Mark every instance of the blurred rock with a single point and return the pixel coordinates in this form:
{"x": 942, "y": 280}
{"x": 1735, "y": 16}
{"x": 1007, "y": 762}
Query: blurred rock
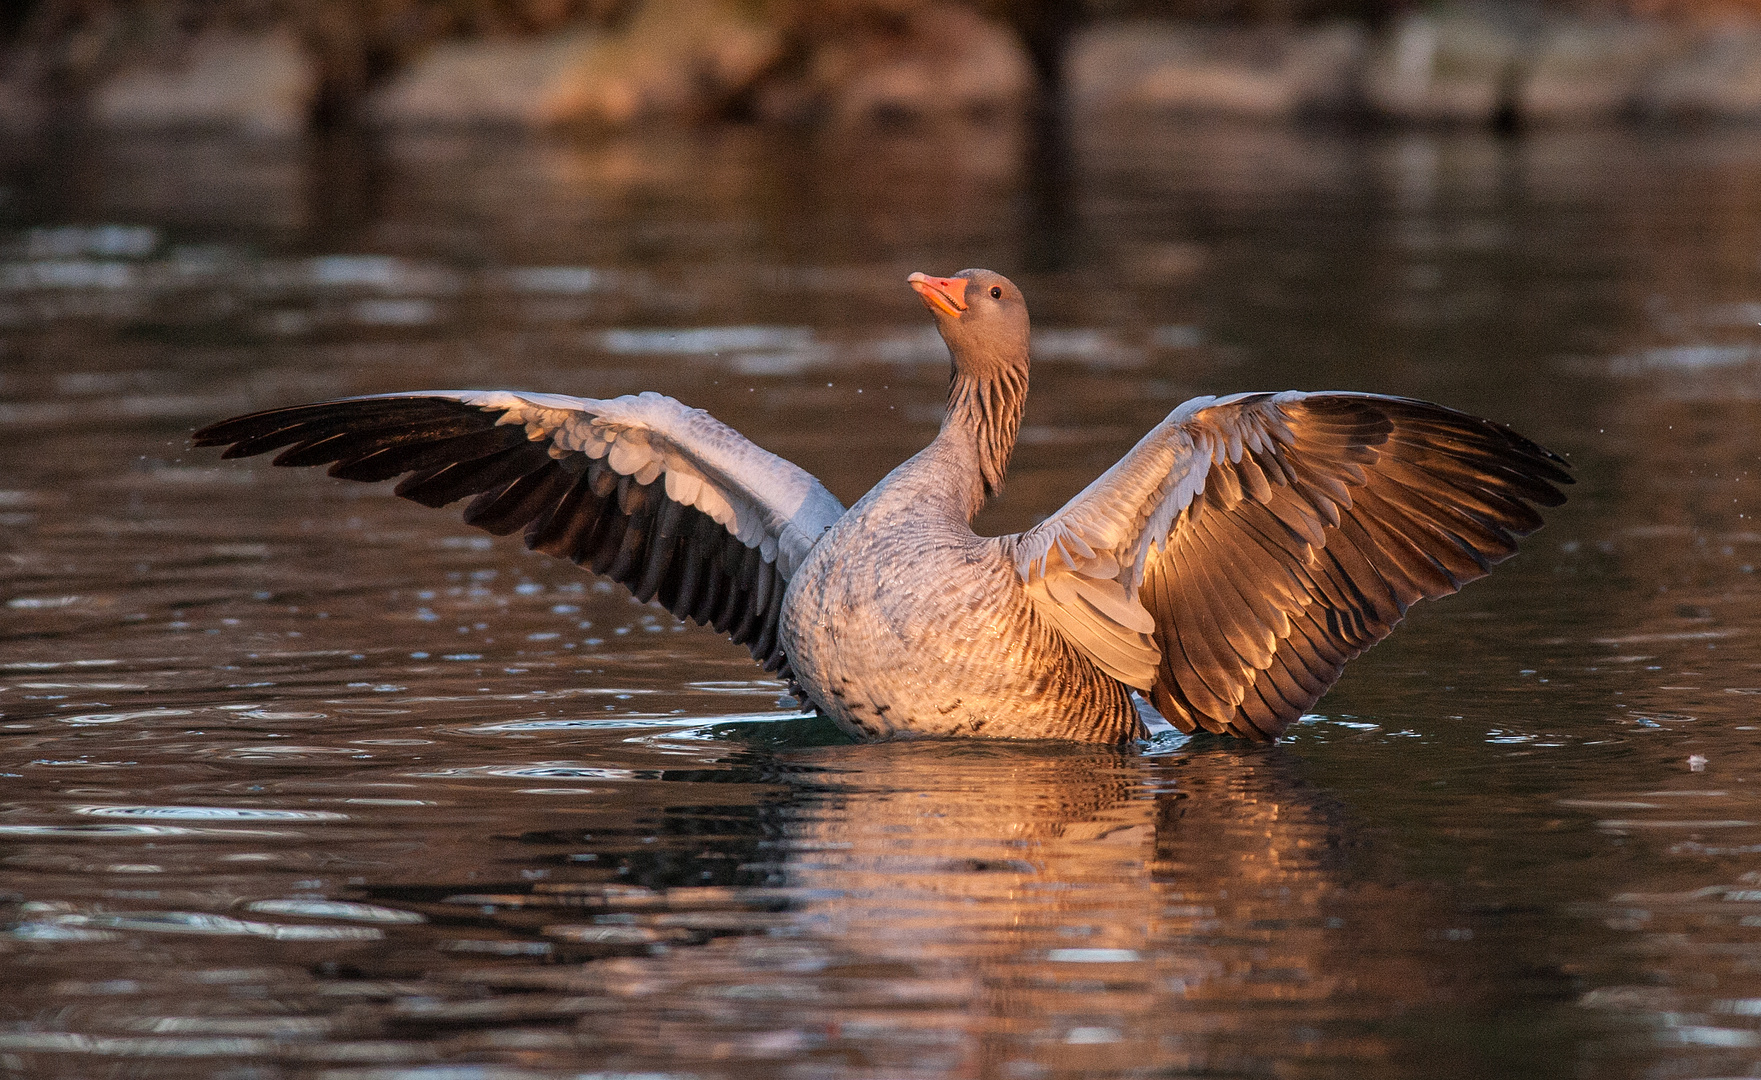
{"x": 1264, "y": 74}
{"x": 1588, "y": 71}
{"x": 261, "y": 84}
{"x": 932, "y": 62}
{"x": 853, "y": 64}
{"x": 486, "y": 83}
{"x": 21, "y": 109}
{"x": 681, "y": 58}
{"x": 1717, "y": 78}
{"x": 678, "y": 59}
{"x": 1456, "y": 67}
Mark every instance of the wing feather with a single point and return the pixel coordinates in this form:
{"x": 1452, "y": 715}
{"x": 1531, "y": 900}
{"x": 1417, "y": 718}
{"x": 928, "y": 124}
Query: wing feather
{"x": 513, "y": 507}
{"x": 1273, "y": 538}
{"x": 659, "y": 497}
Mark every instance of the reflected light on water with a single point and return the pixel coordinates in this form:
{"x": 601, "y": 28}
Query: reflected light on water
{"x": 298, "y": 780}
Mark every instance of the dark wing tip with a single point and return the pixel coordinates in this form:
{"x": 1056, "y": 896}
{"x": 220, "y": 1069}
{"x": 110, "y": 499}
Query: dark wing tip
{"x": 1527, "y": 459}
{"x": 1543, "y": 464}
{"x": 271, "y": 429}
{"x": 233, "y": 429}
{"x": 1545, "y": 470}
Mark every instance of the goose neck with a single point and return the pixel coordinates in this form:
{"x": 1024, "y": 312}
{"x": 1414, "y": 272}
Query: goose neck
{"x": 984, "y": 417}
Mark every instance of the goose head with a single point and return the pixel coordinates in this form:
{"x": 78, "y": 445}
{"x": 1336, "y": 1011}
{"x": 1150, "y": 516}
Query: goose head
{"x": 983, "y": 318}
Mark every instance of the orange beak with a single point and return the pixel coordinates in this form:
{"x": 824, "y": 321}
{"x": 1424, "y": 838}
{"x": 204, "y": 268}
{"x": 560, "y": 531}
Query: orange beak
{"x": 944, "y": 294}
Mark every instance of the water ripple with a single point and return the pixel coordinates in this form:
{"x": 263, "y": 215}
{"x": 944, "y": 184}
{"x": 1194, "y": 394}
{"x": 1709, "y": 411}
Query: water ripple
{"x": 210, "y": 813}
{"x": 123, "y": 717}
{"x": 334, "y": 909}
{"x": 141, "y": 832}
{"x": 542, "y": 770}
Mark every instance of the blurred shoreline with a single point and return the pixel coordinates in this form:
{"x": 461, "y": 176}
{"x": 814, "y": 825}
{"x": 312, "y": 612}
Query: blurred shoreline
{"x": 279, "y": 70}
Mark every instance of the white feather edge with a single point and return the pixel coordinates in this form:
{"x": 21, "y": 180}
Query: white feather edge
{"x": 765, "y": 501}
{"x": 1128, "y": 655}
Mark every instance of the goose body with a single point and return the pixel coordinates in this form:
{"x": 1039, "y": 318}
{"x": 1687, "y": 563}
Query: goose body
{"x": 904, "y": 622}
{"x": 1226, "y": 568}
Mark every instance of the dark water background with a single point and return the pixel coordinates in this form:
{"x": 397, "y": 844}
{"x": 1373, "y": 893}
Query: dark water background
{"x": 300, "y": 780}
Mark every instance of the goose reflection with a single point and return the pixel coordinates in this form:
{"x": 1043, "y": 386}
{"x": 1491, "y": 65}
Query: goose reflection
{"x": 1007, "y": 910}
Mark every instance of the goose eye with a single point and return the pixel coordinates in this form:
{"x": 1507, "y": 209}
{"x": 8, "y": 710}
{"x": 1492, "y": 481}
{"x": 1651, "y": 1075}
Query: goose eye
{"x": 996, "y": 292}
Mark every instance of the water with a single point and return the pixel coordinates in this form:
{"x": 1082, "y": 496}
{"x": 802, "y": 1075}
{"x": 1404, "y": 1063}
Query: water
{"x": 299, "y": 780}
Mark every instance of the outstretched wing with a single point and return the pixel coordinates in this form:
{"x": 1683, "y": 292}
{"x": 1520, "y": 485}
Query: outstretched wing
{"x": 1249, "y": 546}
{"x": 661, "y": 497}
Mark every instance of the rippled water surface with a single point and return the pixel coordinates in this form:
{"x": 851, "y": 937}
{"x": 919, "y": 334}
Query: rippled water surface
{"x": 301, "y": 780}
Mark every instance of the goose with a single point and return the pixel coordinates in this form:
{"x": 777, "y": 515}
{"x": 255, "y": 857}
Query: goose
{"x": 1226, "y": 568}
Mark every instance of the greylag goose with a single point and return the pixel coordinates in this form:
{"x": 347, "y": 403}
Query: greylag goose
{"x": 1226, "y": 568}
